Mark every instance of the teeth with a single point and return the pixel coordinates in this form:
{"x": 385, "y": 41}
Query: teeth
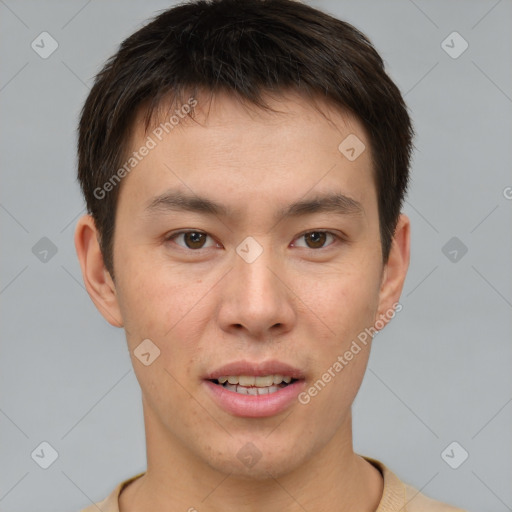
{"x": 250, "y": 380}
{"x": 252, "y": 390}
{"x": 263, "y": 382}
{"x": 244, "y": 380}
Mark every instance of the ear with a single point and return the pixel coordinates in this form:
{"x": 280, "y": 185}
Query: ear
{"x": 395, "y": 270}
{"x": 97, "y": 280}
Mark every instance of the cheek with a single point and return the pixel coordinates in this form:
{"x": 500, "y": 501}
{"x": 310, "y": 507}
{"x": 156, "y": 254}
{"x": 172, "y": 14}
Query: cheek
{"x": 142, "y": 299}
{"x": 154, "y": 299}
{"x": 160, "y": 309}
{"x": 345, "y": 302}
{"x": 167, "y": 308}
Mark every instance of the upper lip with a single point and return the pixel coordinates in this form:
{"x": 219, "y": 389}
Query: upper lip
{"x": 256, "y": 369}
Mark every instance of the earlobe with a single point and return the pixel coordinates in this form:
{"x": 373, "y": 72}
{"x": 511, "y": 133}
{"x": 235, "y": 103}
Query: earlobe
{"x": 395, "y": 271}
{"x": 97, "y": 279}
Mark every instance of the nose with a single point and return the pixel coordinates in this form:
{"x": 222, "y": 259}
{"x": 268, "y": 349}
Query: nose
{"x": 256, "y": 297}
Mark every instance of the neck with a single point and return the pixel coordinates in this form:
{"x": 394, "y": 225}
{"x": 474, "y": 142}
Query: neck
{"x": 334, "y": 479}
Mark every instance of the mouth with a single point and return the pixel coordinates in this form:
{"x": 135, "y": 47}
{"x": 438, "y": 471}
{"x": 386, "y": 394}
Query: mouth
{"x": 255, "y": 389}
{"x": 252, "y": 385}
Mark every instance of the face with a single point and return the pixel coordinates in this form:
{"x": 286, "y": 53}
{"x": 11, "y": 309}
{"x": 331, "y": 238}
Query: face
{"x": 247, "y": 247}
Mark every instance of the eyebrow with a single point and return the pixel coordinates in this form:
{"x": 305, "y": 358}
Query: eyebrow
{"x": 332, "y": 202}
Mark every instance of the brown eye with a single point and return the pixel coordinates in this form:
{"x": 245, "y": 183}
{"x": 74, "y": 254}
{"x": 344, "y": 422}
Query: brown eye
{"x": 189, "y": 239}
{"x": 194, "y": 240}
{"x": 315, "y": 239}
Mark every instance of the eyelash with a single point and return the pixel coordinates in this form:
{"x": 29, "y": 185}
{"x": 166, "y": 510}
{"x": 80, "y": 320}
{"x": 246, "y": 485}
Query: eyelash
{"x": 172, "y": 236}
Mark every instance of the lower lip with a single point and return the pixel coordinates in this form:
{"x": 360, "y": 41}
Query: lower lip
{"x": 251, "y": 406}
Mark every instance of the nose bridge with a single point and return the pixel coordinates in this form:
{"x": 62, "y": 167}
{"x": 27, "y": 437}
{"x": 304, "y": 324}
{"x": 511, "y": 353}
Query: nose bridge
{"x": 252, "y": 267}
{"x": 255, "y": 297}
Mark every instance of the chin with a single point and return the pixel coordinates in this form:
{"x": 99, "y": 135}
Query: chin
{"x": 259, "y": 459}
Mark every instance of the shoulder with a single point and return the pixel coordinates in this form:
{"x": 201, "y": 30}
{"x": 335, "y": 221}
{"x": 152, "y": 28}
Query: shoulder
{"x": 111, "y": 502}
{"x": 418, "y": 502}
{"x": 398, "y": 496}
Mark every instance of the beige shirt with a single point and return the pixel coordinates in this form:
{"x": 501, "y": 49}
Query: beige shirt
{"x": 397, "y": 496}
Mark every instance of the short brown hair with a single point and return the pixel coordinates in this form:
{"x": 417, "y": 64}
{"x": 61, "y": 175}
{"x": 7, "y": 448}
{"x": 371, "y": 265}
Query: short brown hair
{"x": 247, "y": 48}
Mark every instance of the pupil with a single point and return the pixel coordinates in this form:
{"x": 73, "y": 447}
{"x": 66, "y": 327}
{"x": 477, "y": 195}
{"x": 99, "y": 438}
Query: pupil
{"x": 317, "y": 238}
{"x": 195, "y": 239}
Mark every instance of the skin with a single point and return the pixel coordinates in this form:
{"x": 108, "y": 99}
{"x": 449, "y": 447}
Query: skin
{"x": 299, "y": 302}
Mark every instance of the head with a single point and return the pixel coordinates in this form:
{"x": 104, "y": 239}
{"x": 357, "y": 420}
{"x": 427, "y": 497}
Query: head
{"x": 271, "y": 133}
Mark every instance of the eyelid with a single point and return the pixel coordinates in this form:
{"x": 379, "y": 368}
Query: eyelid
{"x": 338, "y": 237}
{"x": 171, "y": 236}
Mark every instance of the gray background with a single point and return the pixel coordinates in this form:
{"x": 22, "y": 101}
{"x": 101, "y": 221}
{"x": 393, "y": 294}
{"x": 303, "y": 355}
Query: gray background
{"x": 440, "y": 372}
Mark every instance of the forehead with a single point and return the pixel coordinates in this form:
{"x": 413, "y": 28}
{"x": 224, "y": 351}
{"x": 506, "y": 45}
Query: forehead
{"x": 232, "y": 148}
{"x": 289, "y": 114}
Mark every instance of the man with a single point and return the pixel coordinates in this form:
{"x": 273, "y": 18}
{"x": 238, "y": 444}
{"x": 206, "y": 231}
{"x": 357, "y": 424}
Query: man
{"x": 244, "y": 165}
